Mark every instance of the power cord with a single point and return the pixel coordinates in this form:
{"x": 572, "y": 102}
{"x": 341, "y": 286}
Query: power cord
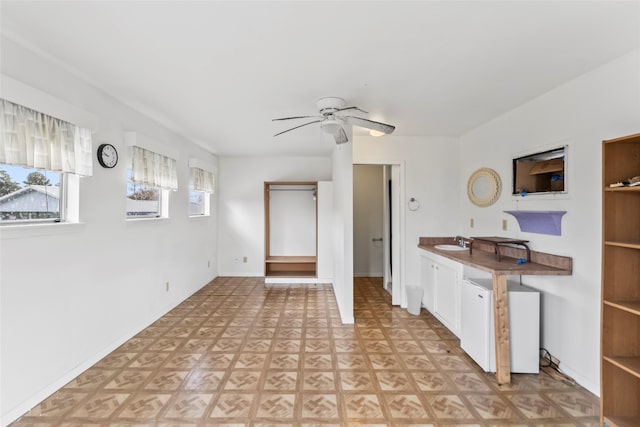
{"x": 545, "y": 355}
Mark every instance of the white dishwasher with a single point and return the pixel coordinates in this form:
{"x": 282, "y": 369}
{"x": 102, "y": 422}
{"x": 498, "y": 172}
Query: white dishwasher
{"x": 476, "y": 325}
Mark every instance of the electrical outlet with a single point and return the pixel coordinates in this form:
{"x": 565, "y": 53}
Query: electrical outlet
{"x": 504, "y": 224}
{"x": 244, "y": 259}
{"x": 166, "y": 286}
{"x": 209, "y": 264}
{"x": 236, "y": 260}
{"x": 471, "y": 223}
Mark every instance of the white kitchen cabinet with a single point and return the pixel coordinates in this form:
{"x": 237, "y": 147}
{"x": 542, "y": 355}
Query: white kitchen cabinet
{"x": 447, "y": 297}
{"x": 427, "y": 279}
{"x": 440, "y": 279}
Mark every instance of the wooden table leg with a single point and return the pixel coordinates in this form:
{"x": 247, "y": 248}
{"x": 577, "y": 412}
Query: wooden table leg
{"x": 501, "y": 329}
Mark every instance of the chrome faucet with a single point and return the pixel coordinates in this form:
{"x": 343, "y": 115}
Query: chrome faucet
{"x": 460, "y": 241}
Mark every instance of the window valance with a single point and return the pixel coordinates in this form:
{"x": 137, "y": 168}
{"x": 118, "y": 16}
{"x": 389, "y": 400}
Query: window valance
{"x": 202, "y": 180}
{"x": 33, "y": 139}
{"x": 153, "y": 169}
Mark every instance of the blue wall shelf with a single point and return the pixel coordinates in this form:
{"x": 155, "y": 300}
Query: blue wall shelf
{"x": 541, "y": 222}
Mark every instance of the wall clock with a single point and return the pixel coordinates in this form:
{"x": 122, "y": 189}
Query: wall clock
{"x": 107, "y": 155}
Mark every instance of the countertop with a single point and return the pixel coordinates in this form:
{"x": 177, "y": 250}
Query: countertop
{"x": 483, "y": 258}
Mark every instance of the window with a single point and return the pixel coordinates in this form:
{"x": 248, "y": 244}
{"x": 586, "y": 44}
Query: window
{"x": 143, "y": 201}
{"x": 150, "y": 176}
{"x": 197, "y": 202}
{"x": 28, "y": 194}
{"x": 41, "y": 160}
{"x": 201, "y": 186}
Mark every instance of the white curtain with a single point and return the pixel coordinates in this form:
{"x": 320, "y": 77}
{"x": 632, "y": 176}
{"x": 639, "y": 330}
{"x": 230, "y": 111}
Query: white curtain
{"x": 153, "y": 169}
{"x": 202, "y": 180}
{"x": 32, "y": 139}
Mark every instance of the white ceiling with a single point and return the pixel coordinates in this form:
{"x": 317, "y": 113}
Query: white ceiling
{"x": 218, "y": 72}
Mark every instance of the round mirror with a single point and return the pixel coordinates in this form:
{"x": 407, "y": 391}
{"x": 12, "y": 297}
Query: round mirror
{"x": 484, "y": 187}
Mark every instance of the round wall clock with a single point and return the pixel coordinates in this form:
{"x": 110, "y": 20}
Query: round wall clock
{"x": 107, "y": 155}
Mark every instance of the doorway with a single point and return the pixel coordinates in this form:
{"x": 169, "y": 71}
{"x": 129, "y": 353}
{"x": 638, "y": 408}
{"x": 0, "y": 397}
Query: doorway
{"x": 376, "y": 225}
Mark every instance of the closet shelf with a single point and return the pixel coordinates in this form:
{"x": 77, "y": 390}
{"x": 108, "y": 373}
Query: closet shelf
{"x": 290, "y": 259}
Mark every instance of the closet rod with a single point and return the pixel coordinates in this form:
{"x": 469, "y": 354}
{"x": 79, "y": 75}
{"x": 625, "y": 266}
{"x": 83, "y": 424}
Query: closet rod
{"x": 291, "y": 189}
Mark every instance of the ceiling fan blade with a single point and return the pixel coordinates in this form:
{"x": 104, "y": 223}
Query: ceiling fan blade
{"x": 305, "y": 124}
{"x": 340, "y": 136}
{"x": 352, "y": 108}
{"x": 296, "y": 117}
{"x": 369, "y": 124}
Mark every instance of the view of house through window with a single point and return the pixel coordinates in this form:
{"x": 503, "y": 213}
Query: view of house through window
{"x": 197, "y": 202}
{"x": 143, "y": 201}
{"x": 29, "y": 194}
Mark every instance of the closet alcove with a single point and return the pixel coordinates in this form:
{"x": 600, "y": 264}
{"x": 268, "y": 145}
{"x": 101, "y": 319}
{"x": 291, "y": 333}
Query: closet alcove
{"x": 291, "y": 229}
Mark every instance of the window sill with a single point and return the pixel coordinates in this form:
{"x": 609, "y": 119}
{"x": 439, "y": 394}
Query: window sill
{"x": 199, "y": 217}
{"x": 19, "y": 231}
{"x": 154, "y": 220}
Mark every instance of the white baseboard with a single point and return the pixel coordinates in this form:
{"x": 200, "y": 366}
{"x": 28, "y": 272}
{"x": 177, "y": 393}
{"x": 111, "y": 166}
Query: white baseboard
{"x": 293, "y": 280}
{"x": 236, "y": 274}
{"x": 581, "y": 380}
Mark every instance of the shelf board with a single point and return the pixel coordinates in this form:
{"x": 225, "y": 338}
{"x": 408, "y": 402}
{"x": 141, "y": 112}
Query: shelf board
{"x": 542, "y": 222}
{"x": 628, "y": 364}
{"x": 632, "y": 307}
{"x": 547, "y": 166}
{"x": 622, "y": 421}
{"x": 635, "y": 189}
{"x": 290, "y": 259}
{"x": 304, "y": 274}
{"x": 630, "y": 245}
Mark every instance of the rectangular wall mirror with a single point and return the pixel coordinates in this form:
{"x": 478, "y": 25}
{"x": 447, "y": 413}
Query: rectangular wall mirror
{"x": 541, "y": 172}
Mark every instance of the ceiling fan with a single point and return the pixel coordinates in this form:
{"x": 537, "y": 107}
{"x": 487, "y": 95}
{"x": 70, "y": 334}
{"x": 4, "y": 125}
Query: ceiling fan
{"x": 332, "y": 123}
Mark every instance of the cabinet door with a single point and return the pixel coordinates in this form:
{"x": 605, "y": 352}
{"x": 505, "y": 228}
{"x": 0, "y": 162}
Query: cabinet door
{"x": 475, "y": 322}
{"x": 427, "y": 272}
{"x": 446, "y": 297}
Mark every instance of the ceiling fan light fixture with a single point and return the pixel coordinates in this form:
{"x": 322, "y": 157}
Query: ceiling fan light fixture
{"x": 331, "y": 126}
{"x": 374, "y": 132}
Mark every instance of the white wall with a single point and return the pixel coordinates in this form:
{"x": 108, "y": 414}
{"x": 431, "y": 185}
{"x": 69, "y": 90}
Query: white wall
{"x": 342, "y": 173}
{"x": 241, "y": 205}
{"x": 325, "y": 232}
{"x": 368, "y": 210}
{"x": 431, "y": 176}
{"x": 292, "y": 222}
{"x": 72, "y": 293}
{"x": 600, "y": 105}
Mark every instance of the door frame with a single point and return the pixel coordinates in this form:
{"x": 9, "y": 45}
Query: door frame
{"x": 398, "y": 294}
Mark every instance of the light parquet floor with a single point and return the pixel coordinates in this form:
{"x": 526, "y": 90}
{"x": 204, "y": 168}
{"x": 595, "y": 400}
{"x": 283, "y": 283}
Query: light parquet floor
{"x": 242, "y": 353}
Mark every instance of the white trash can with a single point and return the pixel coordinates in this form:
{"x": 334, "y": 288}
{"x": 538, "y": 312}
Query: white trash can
{"x": 414, "y": 299}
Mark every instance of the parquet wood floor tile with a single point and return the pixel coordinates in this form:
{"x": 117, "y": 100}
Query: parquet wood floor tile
{"x": 244, "y": 354}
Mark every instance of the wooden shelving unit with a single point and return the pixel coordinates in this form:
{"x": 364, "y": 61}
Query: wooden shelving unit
{"x": 620, "y": 332}
{"x": 289, "y": 266}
